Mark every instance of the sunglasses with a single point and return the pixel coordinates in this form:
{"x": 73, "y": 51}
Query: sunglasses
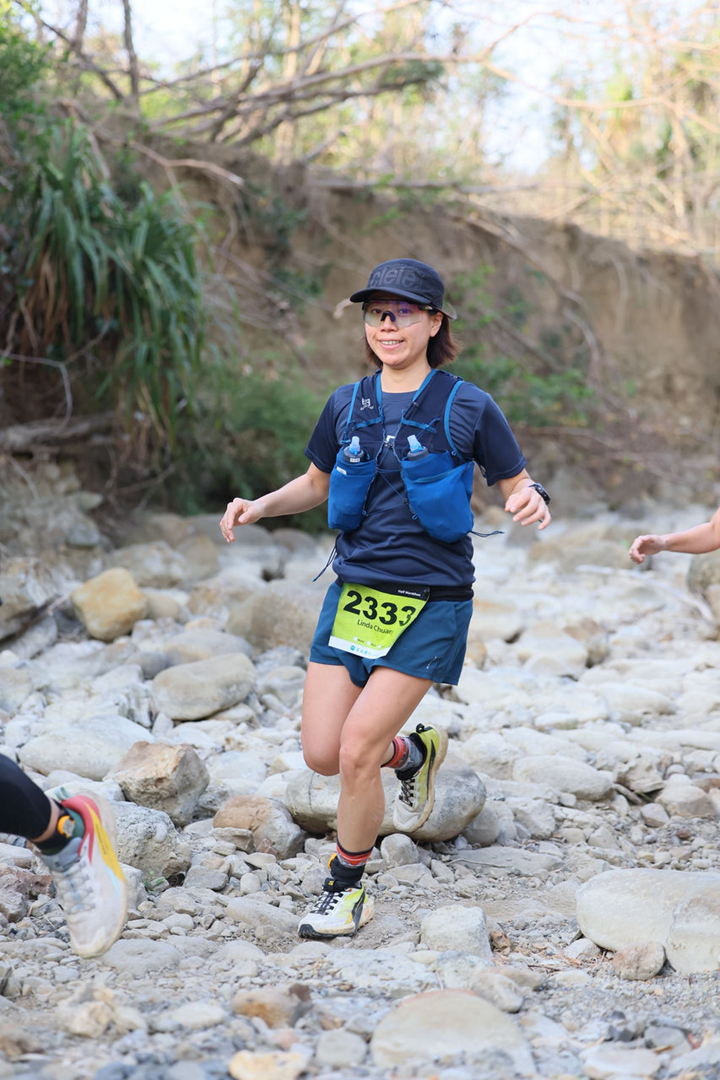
{"x": 401, "y": 312}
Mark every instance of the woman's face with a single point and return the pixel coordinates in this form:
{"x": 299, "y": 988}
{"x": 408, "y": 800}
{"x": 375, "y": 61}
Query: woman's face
{"x": 400, "y": 346}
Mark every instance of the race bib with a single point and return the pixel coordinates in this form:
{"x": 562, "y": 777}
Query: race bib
{"x": 369, "y": 621}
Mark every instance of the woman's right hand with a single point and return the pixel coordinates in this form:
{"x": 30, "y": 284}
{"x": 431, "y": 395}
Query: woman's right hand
{"x": 239, "y": 512}
{"x": 646, "y": 545}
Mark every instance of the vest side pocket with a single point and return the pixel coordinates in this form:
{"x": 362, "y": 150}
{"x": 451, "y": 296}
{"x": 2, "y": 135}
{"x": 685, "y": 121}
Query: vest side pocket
{"x": 438, "y": 492}
{"x": 349, "y": 486}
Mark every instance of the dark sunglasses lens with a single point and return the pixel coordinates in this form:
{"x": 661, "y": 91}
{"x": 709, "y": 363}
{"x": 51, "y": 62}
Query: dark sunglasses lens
{"x": 402, "y": 313}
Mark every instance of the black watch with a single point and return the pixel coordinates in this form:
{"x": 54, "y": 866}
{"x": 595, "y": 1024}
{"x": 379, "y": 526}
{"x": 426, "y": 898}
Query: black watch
{"x": 541, "y": 492}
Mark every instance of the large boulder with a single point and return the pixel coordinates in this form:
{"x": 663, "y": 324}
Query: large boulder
{"x": 148, "y": 839}
{"x": 459, "y": 797}
{"x": 269, "y": 821}
{"x": 197, "y": 690}
{"x": 169, "y": 778}
{"x": 677, "y": 908}
{"x": 281, "y": 614}
{"x": 427, "y": 1027}
{"x": 109, "y": 605}
{"x": 90, "y": 747}
{"x": 156, "y": 565}
{"x": 25, "y": 586}
{"x": 575, "y": 777}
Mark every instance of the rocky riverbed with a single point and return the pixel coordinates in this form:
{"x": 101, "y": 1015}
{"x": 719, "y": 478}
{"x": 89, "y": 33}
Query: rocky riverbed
{"x": 558, "y": 914}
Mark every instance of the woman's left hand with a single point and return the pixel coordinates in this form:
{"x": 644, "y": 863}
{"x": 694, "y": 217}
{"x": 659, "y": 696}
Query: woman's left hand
{"x": 528, "y": 506}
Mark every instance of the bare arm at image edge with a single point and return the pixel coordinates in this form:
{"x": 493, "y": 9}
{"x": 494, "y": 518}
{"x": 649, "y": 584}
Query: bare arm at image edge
{"x": 696, "y": 541}
{"x": 303, "y": 493}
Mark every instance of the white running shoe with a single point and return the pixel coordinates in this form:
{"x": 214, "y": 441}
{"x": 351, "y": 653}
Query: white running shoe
{"x": 416, "y": 797}
{"x": 338, "y": 911}
{"x": 89, "y": 881}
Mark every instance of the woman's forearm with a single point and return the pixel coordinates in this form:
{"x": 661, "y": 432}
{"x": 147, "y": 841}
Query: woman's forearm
{"x": 696, "y": 541}
{"x": 303, "y": 493}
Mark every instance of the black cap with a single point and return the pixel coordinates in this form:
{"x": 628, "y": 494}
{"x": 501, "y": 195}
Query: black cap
{"x": 409, "y": 279}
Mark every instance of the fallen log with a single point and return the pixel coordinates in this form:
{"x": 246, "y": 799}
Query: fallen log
{"x": 24, "y": 438}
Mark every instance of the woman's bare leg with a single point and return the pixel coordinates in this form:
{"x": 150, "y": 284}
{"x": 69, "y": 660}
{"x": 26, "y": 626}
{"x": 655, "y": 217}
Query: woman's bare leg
{"x": 328, "y": 697}
{"x": 378, "y": 713}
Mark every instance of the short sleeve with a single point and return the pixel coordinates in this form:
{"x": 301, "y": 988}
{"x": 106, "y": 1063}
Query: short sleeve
{"x": 324, "y": 442}
{"x": 480, "y": 430}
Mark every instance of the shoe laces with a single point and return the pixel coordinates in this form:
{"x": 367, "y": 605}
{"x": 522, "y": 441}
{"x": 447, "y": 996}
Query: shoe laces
{"x": 329, "y": 899}
{"x": 73, "y": 881}
{"x": 407, "y": 789}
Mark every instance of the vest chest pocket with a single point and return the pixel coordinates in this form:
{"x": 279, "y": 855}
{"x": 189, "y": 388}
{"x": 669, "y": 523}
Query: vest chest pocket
{"x": 350, "y": 483}
{"x": 439, "y": 492}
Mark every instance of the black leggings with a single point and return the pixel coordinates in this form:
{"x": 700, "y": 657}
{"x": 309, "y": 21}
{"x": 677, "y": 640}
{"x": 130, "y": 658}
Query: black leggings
{"x": 24, "y": 807}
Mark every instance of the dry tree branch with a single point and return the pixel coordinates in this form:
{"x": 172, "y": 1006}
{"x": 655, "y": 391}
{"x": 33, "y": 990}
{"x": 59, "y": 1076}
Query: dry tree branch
{"x": 84, "y": 59}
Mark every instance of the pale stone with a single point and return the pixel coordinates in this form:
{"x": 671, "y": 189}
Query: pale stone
{"x": 527, "y": 863}
{"x": 26, "y": 584}
{"x": 90, "y": 747}
{"x": 639, "y": 962}
{"x": 166, "y": 604}
{"x": 169, "y": 778}
{"x": 268, "y": 819}
{"x": 138, "y": 958}
{"x": 201, "y": 557}
{"x": 148, "y": 840}
{"x": 497, "y": 988}
{"x": 399, "y": 849}
{"x": 15, "y": 685}
{"x": 576, "y": 777}
{"x": 278, "y": 1065}
{"x": 686, "y": 800}
{"x": 155, "y": 565}
{"x": 488, "y": 752}
{"x": 366, "y": 969}
{"x": 457, "y": 927}
{"x": 485, "y": 828}
{"x": 257, "y": 913}
{"x": 110, "y": 604}
{"x": 604, "y": 1062}
{"x": 632, "y": 703}
{"x": 197, "y": 1015}
{"x": 677, "y": 908}
{"x": 193, "y": 691}
{"x": 427, "y": 1026}
{"x": 339, "y": 1048}
{"x": 640, "y": 774}
{"x": 286, "y": 682}
{"x": 546, "y": 649}
{"x": 654, "y": 815}
{"x": 277, "y": 1006}
{"x": 703, "y": 572}
{"x": 282, "y": 614}
{"x": 199, "y": 644}
{"x": 532, "y": 742}
{"x": 496, "y": 619}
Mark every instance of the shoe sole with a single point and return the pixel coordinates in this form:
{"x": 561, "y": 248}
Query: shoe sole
{"x": 306, "y": 930}
{"x": 432, "y": 772}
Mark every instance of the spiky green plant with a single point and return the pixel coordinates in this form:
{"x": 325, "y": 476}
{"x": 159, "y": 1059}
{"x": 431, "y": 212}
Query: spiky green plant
{"x": 106, "y": 279}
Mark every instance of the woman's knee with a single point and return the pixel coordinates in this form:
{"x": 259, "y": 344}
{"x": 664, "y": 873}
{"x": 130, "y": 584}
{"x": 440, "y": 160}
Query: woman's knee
{"x": 322, "y": 759}
{"x": 359, "y": 759}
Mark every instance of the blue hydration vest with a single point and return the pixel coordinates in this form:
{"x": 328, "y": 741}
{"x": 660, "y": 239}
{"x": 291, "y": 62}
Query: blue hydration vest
{"x": 437, "y": 487}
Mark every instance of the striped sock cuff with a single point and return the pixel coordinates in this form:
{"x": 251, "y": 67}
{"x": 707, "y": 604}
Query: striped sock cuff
{"x": 399, "y": 754}
{"x": 354, "y": 859}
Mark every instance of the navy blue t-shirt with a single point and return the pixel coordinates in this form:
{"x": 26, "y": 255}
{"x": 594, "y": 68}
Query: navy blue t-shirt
{"x": 390, "y": 545}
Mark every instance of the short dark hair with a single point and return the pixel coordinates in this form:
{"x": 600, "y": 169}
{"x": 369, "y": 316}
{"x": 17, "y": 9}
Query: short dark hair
{"x": 442, "y": 349}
